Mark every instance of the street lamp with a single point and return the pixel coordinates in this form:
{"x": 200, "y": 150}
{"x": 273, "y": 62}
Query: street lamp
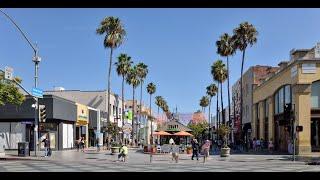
{"x": 36, "y": 59}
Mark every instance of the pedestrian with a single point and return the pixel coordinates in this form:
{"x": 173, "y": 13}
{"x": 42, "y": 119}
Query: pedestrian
{"x": 78, "y": 143}
{"x": 195, "y": 149}
{"x": 258, "y": 144}
{"x": 97, "y": 144}
{"x": 107, "y": 143}
{"x": 270, "y": 146}
{"x": 82, "y": 144}
{"x": 171, "y": 141}
{"x": 123, "y": 153}
{"x": 254, "y": 144}
{"x": 46, "y": 142}
{"x": 205, "y": 149}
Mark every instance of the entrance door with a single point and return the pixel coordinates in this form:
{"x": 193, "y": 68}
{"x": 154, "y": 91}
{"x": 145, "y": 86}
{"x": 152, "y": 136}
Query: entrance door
{"x": 30, "y": 136}
{"x": 315, "y": 135}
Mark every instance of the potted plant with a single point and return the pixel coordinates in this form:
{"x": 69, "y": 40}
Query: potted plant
{"x": 189, "y": 149}
{"x": 115, "y": 147}
{"x": 223, "y": 131}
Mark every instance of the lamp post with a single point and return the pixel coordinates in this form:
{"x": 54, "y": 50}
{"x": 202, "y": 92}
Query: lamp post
{"x": 36, "y": 59}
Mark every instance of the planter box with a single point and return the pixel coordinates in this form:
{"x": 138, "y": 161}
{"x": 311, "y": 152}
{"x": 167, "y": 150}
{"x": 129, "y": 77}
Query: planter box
{"x": 115, "y": 150}
{"x": 225, "y": 152}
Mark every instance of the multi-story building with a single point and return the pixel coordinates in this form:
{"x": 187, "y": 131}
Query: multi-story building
{"x": 96, "y": 102}
{"x": 250, "y": 79}
{"x": 296, "y": 82}
{"x": 144, "y": 125}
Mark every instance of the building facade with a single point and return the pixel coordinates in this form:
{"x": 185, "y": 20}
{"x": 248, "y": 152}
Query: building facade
{"x": 250, "y": 79}
{"x": 17, "y": 123}
{"x": 296, "y": 82}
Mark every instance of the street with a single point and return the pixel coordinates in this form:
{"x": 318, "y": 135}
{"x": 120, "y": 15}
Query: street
{"x": 91, "y": 161}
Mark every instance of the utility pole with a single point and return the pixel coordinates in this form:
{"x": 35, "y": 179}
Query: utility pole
{"x": 294, "y": 133}
{"x": 36, "y": 59}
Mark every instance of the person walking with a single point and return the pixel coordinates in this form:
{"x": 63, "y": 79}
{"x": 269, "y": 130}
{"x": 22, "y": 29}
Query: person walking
{"x": 46, "y": 142}
{"x": 205, "y": 149}
{"x": 98, "y": 145}
{"x": 171, "y": 141}
{"x": 82, "y": 144}
{"x": 195, "y": 149}
{"x": 123, "y": 153}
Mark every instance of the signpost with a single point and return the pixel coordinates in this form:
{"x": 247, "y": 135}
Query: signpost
{"x": 8, "y": 73}
{"x": 37, "y": 92}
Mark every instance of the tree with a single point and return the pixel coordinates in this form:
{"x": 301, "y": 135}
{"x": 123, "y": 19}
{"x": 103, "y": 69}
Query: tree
{"x": 114, "y": 34}
{"x": 198, "y": 129}
{"x": 159, "y": 102}
{"x": 211, "y": 91}
{"x": 220, "y": 74}
{"x": 225, "y": 48}
{"x": 244, "y": 35}
{"x": 151, "y": 88}
{"x": 113, "y": 129}
{"x": 123, "y": 66}
{"x": 223, "y": 131}
{"x": 132, "y": 79}
{"x": 204, "y": 102}
{"x": 9, "y": 92}
{"x": 142, "y": 71}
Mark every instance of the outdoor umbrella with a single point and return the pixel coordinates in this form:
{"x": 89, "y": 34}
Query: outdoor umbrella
{"x": 162, "y": 133}
{"x": 182, "y": 133}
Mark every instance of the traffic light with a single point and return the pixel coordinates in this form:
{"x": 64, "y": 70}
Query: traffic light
{"x": 43, "y": 115}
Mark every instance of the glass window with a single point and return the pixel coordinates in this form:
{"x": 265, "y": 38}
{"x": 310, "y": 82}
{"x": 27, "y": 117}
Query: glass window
{"x": 315, "y": 94}
{"x": 281, "y": 100}
{"x": 276, "y": 103}
{"x": 287, "y": 93}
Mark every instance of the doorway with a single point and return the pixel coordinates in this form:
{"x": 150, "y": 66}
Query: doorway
{"x": 315, "y": 135}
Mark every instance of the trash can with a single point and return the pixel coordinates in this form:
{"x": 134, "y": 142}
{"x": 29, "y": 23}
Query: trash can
{"x": 23, "y": 149}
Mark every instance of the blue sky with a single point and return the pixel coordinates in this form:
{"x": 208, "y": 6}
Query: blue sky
{"x": 178, "y": 45}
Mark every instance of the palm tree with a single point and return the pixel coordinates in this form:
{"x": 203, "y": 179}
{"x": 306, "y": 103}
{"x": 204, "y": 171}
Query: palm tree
{"x": 225, "y": 48}
{"x": 244, "y": 35}
{"x": 211, "y": 91}
{"x": 159, "y": 101}
{"x": 132, "y": 79}
{"x": 220, "y": 74}
{"x": 114, "y": 33}
{"x": 151, "y": 88}
{"x": 142, "y": 71}
{"x": 123, "y": 65}
{"x": 204, "y": 102}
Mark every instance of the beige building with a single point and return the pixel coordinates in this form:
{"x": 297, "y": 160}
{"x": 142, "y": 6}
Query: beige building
{"x": 297, "y": 82}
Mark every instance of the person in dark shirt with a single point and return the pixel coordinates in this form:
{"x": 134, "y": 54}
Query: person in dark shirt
{"x": 195, "y": 149}
{"x": 46, "y": 142}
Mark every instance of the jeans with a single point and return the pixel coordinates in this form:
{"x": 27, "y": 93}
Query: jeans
{"x": 195, "y": 153}
{"x": 46, "y": 151}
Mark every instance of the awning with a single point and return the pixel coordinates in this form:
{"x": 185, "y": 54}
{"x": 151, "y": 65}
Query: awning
{"x": 161, "y": 133}
{"x": 182, "y": 133}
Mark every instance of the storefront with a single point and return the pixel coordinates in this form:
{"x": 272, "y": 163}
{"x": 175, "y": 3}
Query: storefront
{"x": 17, "y": 123}
{"x": 82, "y": 123}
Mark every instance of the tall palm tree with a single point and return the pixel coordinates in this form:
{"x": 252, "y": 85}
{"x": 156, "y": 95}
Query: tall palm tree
{"x": 123, "y": 65}
{"x": 244, "y": 35}
{"x": 225, "y": 48}
{"x": 114, "y": 34}
{"x": 132, "y": 79}
{"x": 142, "y": 71}
{"x": 211, "y": 91}
{"x": 204, "y": 102}
{"x": 159, "y": 102}
{"x": 151, "y": 88}
{"x": 220, "y": 74}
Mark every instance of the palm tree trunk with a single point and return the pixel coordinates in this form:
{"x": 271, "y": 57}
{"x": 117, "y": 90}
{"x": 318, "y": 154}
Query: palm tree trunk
{"x": 222, "y": 111}
{"x": 140, "y": 110}
{"x": 133, "y": 119}
{"x": 122, "y": 113}
{"x": 151, "y": 139}
{"x": 229, "y": 104}
{"x": 218, "y": 118}
{"x": 209, "y": 119}
{"x": 109, "y": 84}
{"x": 241, "y": 90}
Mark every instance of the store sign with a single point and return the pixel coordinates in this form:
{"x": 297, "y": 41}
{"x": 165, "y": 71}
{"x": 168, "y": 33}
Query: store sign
{"x": 309, "y": 68}
{"x": 82, "y": 112}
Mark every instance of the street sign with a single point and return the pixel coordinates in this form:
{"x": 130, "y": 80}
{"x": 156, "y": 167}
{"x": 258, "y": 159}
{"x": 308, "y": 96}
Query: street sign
{"x": 8, "y": 73}
{"x": 37, "y": 92}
